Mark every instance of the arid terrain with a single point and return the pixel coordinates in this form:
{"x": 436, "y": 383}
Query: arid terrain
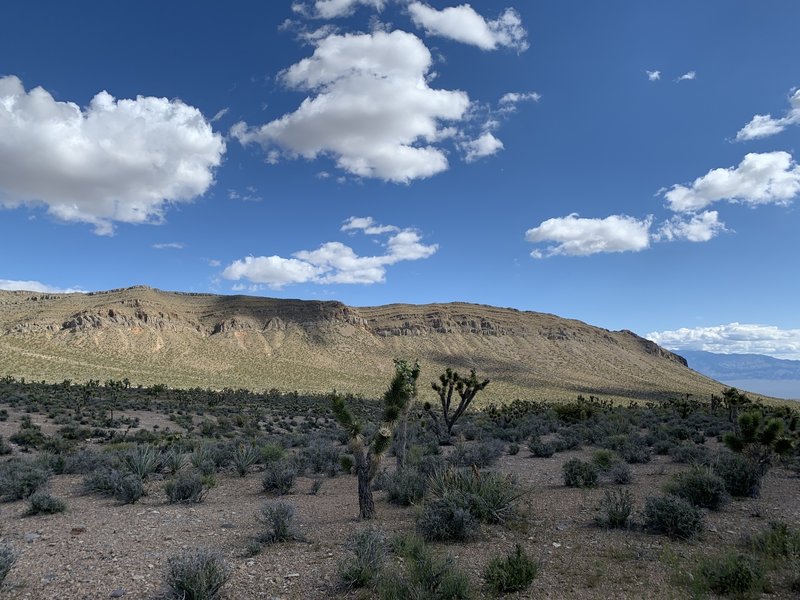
{"x": 200, "y": 340}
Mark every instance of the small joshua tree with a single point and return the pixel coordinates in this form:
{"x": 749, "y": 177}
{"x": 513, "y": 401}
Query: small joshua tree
{"x": 369, "y": 453}
{"x": 449, "y": 382}
{"x": 759, "y": 441}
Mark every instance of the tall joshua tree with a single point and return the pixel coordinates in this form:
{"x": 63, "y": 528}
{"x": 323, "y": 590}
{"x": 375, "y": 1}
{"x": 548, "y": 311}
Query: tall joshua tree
{"x": 449, "y": 382}
{"x": 369, "y": 453}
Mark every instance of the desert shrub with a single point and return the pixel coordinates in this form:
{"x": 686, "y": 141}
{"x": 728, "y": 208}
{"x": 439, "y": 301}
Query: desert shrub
{"x": 541, "y": 449}
{"x": 369, "y": 554}
{"x": 568, "y": 439}
{"x": 427, "y": 576}
{"x": 142, "y": 460}
{"x": 742, "y": 477}
{"x": 701, "y": 487}
{"x": 513, "y": 449}
{"x": 511, "y": 573}
{"x": 42, "y": 503}
{"x": 479, "y": 454}
{"x": 673, "y": 516}
{"x": 316, "y": 486}
{"x": 5, "y": 447}
{"x": 405, "y": 487}
{"x": 578, "y": 473}
{"x": 279, "y": 477}
{"x": 8, "y": 556}
{"x": 123, "y": 486}
{"x": 86, "y": 460}
{"x": 187, "y": 488}
{"x": 615, "y": 509}
{"x": 271, "y": 452}
{"x": 690, "y": 454}
{"x": 447, "y": 520}
{"x": 174, "y": 460}
{"x": 780, "y": 541}
{"x": 277, "y": 520}
{"x": 634, "y": 451}
{"x": 196, "y": 575}
{"x": 604, "y": 459}
{"x": 244, "y": 457}
{"x": 731, "y": 574}
{"x": 321, "y": 458}
{"x": 621, "y": 473}
{"x": 490, "y": 496}
{"x": 21, "y": 478}
{"x": 346, "y": 463}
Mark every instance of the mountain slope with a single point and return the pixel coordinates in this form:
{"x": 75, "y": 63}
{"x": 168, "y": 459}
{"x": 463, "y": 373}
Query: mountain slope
{"x": 150, "y": 336}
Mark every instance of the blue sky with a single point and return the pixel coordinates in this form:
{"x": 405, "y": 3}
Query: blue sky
{"x": 629, "y": 164}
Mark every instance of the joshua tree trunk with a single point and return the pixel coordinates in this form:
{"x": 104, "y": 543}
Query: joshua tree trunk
{"x": 366, "y": 502}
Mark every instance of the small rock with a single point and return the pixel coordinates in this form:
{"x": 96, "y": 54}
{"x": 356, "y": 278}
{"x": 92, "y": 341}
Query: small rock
{"x": 292, "y": 575}
{"x": 78, "y": 530}
{"x": 562, "y": 526}
{"x": 118, "y": 593}
{"x": 228, "y": 526}
{"x": 556, "y": 545}
{"x": 31, "y": 537}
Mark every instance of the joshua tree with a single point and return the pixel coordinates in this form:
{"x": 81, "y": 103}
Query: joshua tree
{"x": 368, "y": 454}
{"x": 759, "y": 441}
{"x": 467, "y": 388}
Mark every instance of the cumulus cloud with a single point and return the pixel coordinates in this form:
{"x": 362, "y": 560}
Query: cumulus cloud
{"x": 331, "y": 9}
{"x": 653, "y": 75}
{"x": 485, "y": 145}
{"x": 169, "y": 246}
{"x": 113, "y": 161}
{"x": 768, "y": 178}
{"x": 370, "y": 107}
{"x": 463, "y": 24}
{"x": 36, "y": 286}
{"x": 687, "y": 76}
{"x": 761, "y": 126}
{"x": 573, "y": 236}
{"x": 694, "y": 228}
{"x": 334, "y": 262}
{"x": 508, "y": 102}
{"x": 734, "y": 338}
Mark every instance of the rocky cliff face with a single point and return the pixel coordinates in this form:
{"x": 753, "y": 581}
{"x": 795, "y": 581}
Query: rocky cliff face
{"x": 217, "y": 341}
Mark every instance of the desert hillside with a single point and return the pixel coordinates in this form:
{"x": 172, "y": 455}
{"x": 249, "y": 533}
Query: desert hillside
{"x": 188, "y": 340}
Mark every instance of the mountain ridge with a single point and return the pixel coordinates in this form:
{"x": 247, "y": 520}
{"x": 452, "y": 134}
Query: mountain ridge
{"x": 196, "y": 339}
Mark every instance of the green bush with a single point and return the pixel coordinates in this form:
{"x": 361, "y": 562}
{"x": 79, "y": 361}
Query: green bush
{"x": 780, "y": 541}
{"x": 125, "y": 487}
{"x": 541, "y": 449}
{"x": 447, "y": 519}
{"x": 42, "y": 503}
{"x": 405, "y": 487}
{"x": 362, "y": 569}
{"x": 142, "y": 460}
{"x": 615, "y": 509}
{"x": 690, "y": 453}
{"x": 578, "y": 473}
{"x": 490, "y": 496}
{"x": 621, "y": 473}
{"x": 701, "y": 487}
{"x": 346, "y": 463}
{"x": 511, "y": 573}
{"x": 674, "y": 517}
{"x": 21, "y": 478}
{"x": 604, "y": 459}
{"x": 279, "y": 477}
{"x": 8, "y": 556}
{"x": 479, "y": 454}
{"x": 277, "y": 519}
{"x": 741, "y": 476}
{"x": 732, "y": 574}
{"x": 513, "y": 449}
{"x": 187, "y": 488}
{"x": 271, "y": 452}
{"x": 5, "y": 447}
{"x": 196, "y": 575}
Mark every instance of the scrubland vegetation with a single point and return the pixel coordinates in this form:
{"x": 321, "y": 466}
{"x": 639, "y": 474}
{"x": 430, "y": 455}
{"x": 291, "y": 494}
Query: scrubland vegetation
{"x": 694, "y": 497}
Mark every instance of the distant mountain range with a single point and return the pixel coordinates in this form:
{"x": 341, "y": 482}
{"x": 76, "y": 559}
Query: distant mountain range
{"x": 752, "y": 372}
{"x": 150, "y": 336}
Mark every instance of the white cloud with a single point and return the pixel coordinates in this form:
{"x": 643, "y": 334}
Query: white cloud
{"x": 463, "y": 24}
{"x": 214, "y": 263}
{"x": 367, "y": 225}
{"x": 334, "y": 262}
{"x": 370, "y": 107}
{"x": 769, "y": 178}
{"x": 734, "y": 338}
{"x": 761, "y": 126}
{"x": 113, "y": 161}
{"x": 508, "y": 102}
{"x": 573, "y": 236}
{"x": 36, "y": 286}
{"x": 220, "y": 113}
{"x": 249, "y": 195}
{"x": 653, "y": 75}
{"x": 331, "y": 9}
{"x": 169, "y": 246}
{"x": 695, "y": 228}
{"x": 687, "y": 76}
{"x": 485, "y": 145}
